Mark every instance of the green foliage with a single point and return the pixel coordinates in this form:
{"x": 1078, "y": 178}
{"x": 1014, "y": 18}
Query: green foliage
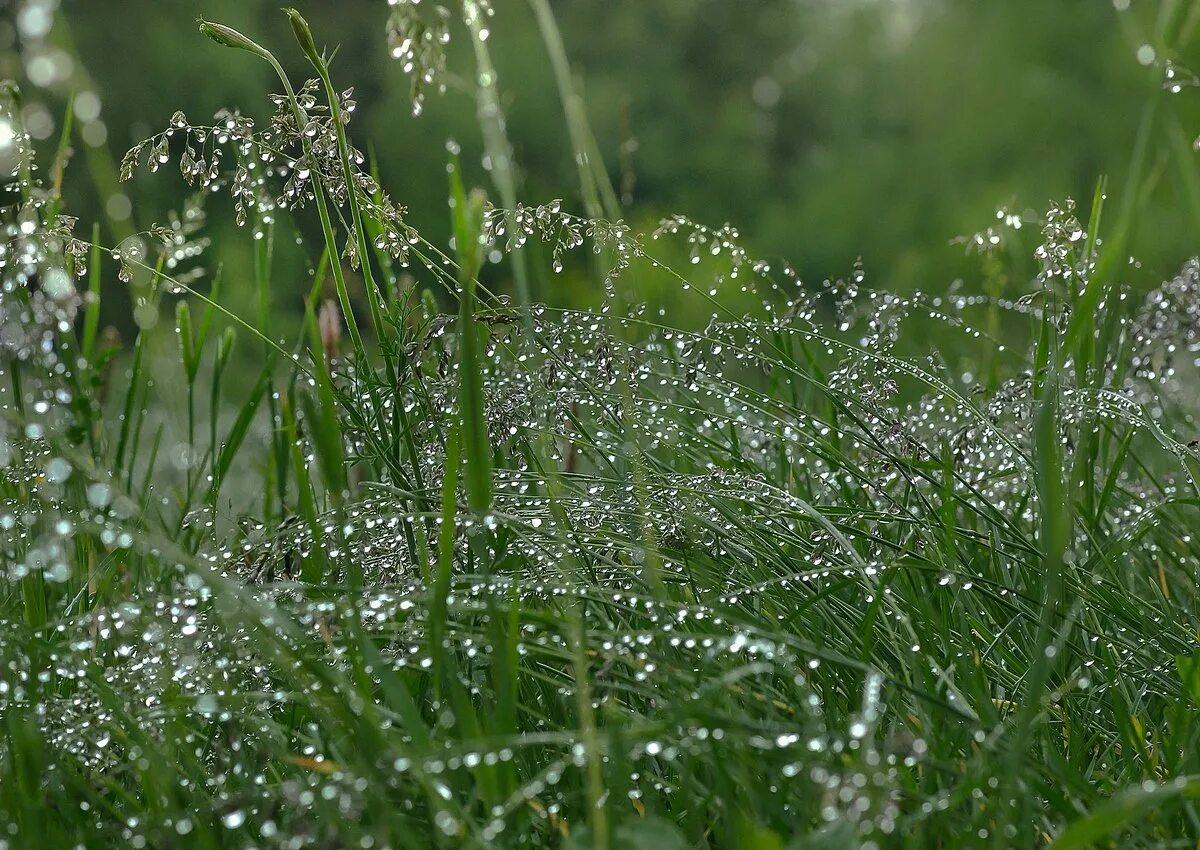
{"x": 846, "y": 567}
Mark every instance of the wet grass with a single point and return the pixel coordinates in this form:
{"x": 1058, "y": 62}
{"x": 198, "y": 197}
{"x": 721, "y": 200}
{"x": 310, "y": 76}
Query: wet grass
{"x": 843, "y": 568}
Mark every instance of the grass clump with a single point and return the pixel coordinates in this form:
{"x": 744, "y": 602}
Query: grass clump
{"x": 512, "y": 576}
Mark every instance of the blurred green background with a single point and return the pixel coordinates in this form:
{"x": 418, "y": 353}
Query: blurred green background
{"x": 825, "y": 130}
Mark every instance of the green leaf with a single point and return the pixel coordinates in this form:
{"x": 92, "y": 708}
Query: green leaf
{"x": 1121, "y": 811}
{"x": 323, "y": 418}
{"x": 468, "y": 225}
{"x": 237, "y": 434}
{"x": 1189, "y": 674}
{"x": 187, "y": 345}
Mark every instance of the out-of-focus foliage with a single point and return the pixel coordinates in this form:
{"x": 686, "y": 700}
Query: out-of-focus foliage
{"x": 823, "y": 130}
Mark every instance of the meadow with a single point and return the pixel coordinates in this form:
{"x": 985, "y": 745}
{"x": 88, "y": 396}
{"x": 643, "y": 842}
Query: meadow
{"x": 438, "y": 564}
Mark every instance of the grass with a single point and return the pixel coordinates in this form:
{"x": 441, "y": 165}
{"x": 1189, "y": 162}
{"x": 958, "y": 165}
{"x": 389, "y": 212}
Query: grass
{"x": 514, "y": 576}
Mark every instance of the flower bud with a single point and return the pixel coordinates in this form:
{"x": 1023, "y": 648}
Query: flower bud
{"x": 230, "y": 37}
{"x": 303, "y": 35}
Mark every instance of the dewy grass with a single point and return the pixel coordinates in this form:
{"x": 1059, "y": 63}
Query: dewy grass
{"x": 513, "y": 576}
